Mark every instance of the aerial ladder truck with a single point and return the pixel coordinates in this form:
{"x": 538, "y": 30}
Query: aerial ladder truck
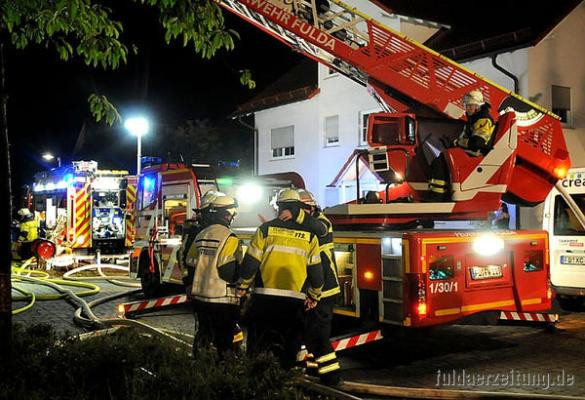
{"x": 422, "y": 278}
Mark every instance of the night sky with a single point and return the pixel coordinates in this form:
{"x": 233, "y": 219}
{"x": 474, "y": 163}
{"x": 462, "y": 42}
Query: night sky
{"x": 48, "y": 98}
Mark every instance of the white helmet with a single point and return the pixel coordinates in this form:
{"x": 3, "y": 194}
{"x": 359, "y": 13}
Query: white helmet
{"x": 24, "y": 212}
{"x": 473, "y": 97}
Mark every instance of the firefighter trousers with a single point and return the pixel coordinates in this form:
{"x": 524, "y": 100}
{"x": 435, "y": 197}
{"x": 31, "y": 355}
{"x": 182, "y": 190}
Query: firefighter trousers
{"x": 275, "y": 324}
{"x": 216, "y": 323}
{"x": 439, "y": 180}
{"x": 317, "y": 339}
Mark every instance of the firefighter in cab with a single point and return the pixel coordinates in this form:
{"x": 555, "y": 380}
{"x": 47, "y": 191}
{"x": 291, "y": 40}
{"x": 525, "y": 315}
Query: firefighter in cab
{"x": 475, "y": 139}
{"x": 210, "y": 272}
{"x": 283, "y": 264}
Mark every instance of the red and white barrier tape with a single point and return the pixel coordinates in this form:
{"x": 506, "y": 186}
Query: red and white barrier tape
{"x": 533, "y": 317}
{"x": 127, "y": 308}
{"x": 358, "y": 340}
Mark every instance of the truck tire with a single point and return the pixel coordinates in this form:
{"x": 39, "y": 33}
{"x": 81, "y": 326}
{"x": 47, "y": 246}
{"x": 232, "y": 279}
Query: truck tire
{"x": 150, "y": 281}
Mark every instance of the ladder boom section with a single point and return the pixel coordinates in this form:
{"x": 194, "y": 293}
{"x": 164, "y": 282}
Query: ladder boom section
{"x": 365, "y": 50}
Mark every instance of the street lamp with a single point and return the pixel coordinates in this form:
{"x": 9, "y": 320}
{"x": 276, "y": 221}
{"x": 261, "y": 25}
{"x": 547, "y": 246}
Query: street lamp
{"x": 50, "y": 157}
{"x": 137, "y": 126}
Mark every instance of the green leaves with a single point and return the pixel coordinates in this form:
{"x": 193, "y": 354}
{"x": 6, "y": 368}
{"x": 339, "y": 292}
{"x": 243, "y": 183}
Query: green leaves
{"x": 71, "y": 26}
{"x": 194, "y": 23}
{"x": 246, "y": 79}
{"x": 101, "y": 108}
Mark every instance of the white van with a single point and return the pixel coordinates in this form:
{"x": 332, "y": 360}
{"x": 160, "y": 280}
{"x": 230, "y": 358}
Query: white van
{"x": 567, "y": 240}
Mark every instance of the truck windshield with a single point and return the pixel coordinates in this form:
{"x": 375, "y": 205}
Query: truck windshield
{"x": 566, "y": 223}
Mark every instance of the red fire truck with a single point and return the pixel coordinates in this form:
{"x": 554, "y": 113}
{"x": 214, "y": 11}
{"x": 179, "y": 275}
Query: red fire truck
{"x": 422, "y": 278}
{"x": 83, "y": 207}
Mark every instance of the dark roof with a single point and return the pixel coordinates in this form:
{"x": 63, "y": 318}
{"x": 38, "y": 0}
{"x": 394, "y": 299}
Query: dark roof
{"x": 479, "y": 28}
{"x": 299, "y": 83}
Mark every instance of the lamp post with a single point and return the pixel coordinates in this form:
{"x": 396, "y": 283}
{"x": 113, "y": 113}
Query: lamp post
{"x": 137, "y": 126}
{"x": 50, "y": 157}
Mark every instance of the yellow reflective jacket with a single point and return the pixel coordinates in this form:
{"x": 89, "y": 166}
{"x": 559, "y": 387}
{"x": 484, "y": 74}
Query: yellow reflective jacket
{"x": 29, "y": 230}
{"x": 283, "y": 260}
{"x": 478, "y": 132}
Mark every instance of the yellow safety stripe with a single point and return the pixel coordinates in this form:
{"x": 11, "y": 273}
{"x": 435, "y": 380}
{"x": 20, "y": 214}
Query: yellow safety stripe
{"x": 326, "y": 357}
{"x": 329, "y": 368}
{"x": 438, "y": 182}
{"x": 327, "y": 246}
{"x": 330, "y": 292}
{"x": 314, "y": 293}
{"x": 438, "y": 190}
{"x": 300, "y": 217}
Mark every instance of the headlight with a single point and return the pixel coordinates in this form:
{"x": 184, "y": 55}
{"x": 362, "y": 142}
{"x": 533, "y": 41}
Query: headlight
{"x": 488, "y": 244}
{"x": 249, "y": 193}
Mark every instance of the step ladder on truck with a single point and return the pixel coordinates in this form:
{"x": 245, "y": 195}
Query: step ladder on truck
{"x": 420, "y": 278}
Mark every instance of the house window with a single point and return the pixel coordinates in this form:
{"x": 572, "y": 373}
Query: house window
{"x": 332, "y": 130}
{"x": 282, "y": 142}
{"x": 364, "y": 126}
{"x": 561, "y": 103}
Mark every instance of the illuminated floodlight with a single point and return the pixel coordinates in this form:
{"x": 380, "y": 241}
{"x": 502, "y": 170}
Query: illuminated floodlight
{"x": 488, "y": 244}
{"x": 249, "y": 193}
{"x": 137, "y": 126}
{"x": 48, "y": 157}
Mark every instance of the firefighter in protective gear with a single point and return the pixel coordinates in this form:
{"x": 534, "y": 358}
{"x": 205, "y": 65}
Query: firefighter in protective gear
{"x": 318, "y": 321}
{"x": 29, "y": 226}
{"x": 474, "y": 139}
{"x": 192, "y": 227}
{"x": 210, "y": 274}
{"x": 284, "y": 265}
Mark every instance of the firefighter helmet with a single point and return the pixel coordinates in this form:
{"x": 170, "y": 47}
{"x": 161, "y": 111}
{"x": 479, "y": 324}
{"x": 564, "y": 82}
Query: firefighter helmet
{"x": 24, "y": 213}
{"x": 225, "y": 203}
{"x": 208, "y": 198}
{"x": 307, "y": 198}
{"x": 288, "y": 196}
{"x": 473, "y": 97}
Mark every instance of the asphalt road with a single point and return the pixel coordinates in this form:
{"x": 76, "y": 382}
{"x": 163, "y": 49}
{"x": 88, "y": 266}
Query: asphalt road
{"x": 526, "y": 359}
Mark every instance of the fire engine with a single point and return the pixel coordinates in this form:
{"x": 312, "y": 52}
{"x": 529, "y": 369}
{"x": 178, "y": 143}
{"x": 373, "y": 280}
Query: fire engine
{"x": 168, "y": 195}
{"x": 84, "y": 207}
{"x": 424, "y": 278}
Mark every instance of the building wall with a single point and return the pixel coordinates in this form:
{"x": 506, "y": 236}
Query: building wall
{"x": 303, "y": 116}
{"x": 317, "y": 163}
{"x": 558, "y": 60}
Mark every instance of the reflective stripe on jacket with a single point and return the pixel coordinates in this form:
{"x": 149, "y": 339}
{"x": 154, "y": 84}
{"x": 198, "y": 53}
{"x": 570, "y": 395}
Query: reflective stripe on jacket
{"x": 215, "y": 247}
{"x": 283, "y": 260}
{"x": 477, "y": 132}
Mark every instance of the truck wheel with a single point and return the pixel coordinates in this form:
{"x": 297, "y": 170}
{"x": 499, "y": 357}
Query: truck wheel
{"x": 150, "y": 281}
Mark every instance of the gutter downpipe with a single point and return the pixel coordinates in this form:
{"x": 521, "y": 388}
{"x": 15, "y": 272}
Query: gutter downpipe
{"x": 507, "y": 73}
